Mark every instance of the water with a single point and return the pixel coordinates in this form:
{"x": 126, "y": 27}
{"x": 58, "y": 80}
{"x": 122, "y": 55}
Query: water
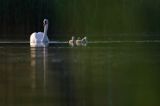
{"x": 123, "y": 73}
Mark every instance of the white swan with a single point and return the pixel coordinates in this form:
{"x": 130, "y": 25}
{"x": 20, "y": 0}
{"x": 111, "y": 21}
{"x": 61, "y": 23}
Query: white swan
{"x": 72, "y": 41}
{"x": 40, "y": 39}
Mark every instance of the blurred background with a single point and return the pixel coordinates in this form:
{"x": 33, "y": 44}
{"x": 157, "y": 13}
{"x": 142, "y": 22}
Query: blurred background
{"x": 97, "y": 19}
{"x": 100, "y": 74}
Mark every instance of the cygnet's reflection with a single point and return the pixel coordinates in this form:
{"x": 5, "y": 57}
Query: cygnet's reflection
{"x": 39, "y": 65}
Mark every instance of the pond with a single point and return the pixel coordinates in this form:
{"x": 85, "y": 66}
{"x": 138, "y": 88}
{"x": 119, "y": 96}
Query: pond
{"x": 99, "y": 74}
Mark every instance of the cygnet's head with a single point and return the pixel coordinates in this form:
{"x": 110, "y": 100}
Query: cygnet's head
{"x": 85, "y": 38}
{"x": 45, "y": 22}
{"x": 73, "y": 38}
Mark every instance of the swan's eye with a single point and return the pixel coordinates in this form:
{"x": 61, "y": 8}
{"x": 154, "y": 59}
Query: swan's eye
{"x": 45, "y": 22}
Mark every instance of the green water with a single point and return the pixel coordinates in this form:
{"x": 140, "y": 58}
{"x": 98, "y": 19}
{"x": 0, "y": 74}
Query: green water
{"x": 111, "y": 74}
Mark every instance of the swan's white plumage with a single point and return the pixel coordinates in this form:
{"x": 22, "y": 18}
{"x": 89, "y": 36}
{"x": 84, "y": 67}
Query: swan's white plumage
{"x": 40, "y": 39}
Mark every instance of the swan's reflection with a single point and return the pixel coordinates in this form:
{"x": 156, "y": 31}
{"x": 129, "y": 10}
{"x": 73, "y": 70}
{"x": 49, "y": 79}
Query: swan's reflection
{"x": 38, "y": 64}
{"x": 52, "y": 77}
{"x": 40, "y": 44}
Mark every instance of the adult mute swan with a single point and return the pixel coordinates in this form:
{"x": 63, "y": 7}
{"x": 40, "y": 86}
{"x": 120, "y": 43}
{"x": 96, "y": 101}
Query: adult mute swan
{"x": 40, "y": 39}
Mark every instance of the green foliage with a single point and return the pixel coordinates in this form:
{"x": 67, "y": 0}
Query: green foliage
{"x": 95, "y": 18}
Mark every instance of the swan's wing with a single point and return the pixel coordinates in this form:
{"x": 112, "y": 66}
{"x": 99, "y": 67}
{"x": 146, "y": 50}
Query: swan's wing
{"x": 39, "y": 36}
{"x": 32, "y": 37}
{"x": 40, "y": 33}
{"x": 36, "y": 37}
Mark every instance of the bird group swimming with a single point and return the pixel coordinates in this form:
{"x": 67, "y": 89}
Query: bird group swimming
{"x": 40, "y": 39}
{"x": 78, "y": 41}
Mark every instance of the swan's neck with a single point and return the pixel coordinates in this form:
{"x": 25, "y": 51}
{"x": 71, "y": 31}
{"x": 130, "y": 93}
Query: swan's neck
{"x": 45, "y": 29}
{"x": 44, "y": 39}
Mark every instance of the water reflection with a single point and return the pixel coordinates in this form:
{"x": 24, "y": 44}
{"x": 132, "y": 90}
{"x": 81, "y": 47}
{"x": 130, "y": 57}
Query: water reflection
{"x": 39, "y": 63}
{"x": 40, "y": 44}
{"x": 61, "y": 75}
{"x": 78, "y": 45}
{"x": 50, "y": 67}
{"x": 82, "y": 76}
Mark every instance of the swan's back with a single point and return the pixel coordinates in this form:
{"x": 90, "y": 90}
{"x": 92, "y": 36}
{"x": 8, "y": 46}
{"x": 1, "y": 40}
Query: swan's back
{"x": 36, "y": 40}
{"x": 36, "y": 37}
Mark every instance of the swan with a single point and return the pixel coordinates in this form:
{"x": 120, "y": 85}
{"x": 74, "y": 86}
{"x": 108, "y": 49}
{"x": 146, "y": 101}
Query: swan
{"x": 72, "y": 41}
{"x": 78, "y": 41}
{"x": 81, "y": 42}
{"x": 40, "y": 39}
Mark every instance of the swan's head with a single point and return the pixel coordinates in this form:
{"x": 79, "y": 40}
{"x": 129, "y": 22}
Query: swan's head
{"x": 45, "y": 22}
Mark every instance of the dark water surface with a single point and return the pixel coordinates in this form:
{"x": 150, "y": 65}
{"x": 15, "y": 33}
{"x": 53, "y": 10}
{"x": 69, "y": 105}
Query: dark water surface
{"x": 109, "y": 74}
